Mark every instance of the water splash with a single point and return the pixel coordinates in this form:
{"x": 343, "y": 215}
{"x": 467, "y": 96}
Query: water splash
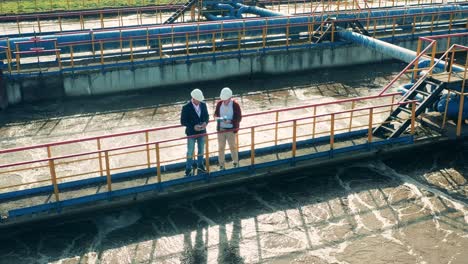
{"x": 105, "y": 225}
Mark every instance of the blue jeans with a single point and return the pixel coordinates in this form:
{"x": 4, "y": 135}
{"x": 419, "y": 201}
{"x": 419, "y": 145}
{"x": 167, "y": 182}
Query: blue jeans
{"x": 191, "y": 147}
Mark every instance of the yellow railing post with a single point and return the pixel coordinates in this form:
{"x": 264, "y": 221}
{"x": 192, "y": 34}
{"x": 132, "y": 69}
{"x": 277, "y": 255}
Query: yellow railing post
{"x": 450, "y": 22}
{"x": 351, "y": 116}
{"x": 39, "y": 24}
{"x": 53, "y": 175}
{"x": 369, "y": 129}
{"x": 432, "y": 23}
{"x": 18, "y": 25}
{"x": 391, "y": 106}
{"x": 239, "y": 40}
{"x": 207, "y": 154}
{"x": 418, "y": 51}
{"x": 276, "y": 127}
{"x": 158, "y": 163}
{"x": 148, "y": 149}
{"x": 187, "y": 44}
{"x": 101, "y": 52}
{"x": 434, "y": 51}
{"x": 237, "y": 141}
{"x": 444, "y": 120}
{"x": 101, "y": 18}
{"x": 213, "y": 42}
{"x": 252, "y": 146}
{"x": 264, "y": 37}
{"x": 9, "y": 59}
{"x": 100, "y": 156}
{"x": 131, "y": 50}
{"x": 93, "y": 48}
{"x": 71, "y": 56}
{"x": 462, "y": 100}
{"x": 294, "y": 138}
{"x": 82, "y": 22}
{"x": 120, "y": 40}
{"x": 332, "y": 131}
{"x": 108, "y": 174}
{"x": 60, "y": 23}
{"x": 413, "y": 117}
{"x": 159, "y": 47}
{"x": 148, "y": 47}
{"x": 18, "y": 59}
{"x": 375, "y": 28}
{"x": 333, "y": 32}
{"x": 451, "y": 66}
{"x": 314, "y": 122}
{"x": 57, "y": 55}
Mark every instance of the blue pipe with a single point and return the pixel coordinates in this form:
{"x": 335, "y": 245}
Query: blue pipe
{"x": 262, "y": 12}
{"x": 388, "y": 49}
{"x": 380, "y": 46}
{"x": 255, "y": 10}
{"x": 253, "y": 28}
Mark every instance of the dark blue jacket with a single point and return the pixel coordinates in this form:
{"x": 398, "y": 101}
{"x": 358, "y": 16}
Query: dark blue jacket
{"x": 189, "y": 118}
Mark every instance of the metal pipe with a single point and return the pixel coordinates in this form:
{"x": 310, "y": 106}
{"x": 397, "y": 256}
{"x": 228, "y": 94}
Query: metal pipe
{"x": 389, "y": 49}
{"x": 255, "y": 10}
{"x": 299, "y": 24}
{"x": 219, "y": 6}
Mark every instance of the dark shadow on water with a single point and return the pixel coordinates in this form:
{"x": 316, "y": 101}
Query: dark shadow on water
{"x": 191, "y": 217}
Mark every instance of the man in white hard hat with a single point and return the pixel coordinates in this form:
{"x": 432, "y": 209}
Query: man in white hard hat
{"x": 195, "y": 117}
{"x": 229, "y": 114}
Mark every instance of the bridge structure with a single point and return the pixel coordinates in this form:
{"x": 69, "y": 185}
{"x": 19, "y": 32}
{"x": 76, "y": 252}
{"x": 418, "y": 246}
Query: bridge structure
{"x": 86, "y": 173}
{"x": 41, "y": 181}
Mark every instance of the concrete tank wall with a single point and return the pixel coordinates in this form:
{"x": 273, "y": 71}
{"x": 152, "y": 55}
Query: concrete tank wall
{"x": 159, "y": 76}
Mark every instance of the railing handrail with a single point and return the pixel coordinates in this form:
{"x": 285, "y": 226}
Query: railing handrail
{"x": 426, "y": 74}
{"x": 200, "y": 135}
{"x": 411, "y": 64}
{"x": 232, "y": 29}
{"x": 178, "y": 125}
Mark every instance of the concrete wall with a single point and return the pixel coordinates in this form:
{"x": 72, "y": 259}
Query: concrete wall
{"x": 117, "y": 80}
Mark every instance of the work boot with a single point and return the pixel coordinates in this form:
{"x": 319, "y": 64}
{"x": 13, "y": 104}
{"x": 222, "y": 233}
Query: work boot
{"x": 235, "y": 165}
{"x": 188, "y": 172}
{"x": 221, "y": 167}
{"x": 201, "y": 169}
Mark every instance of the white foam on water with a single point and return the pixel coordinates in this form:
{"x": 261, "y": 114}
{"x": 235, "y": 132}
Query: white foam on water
{"x": 351, "y": 205}
{"x": 415, "y": 187}
{"x": 105, "y": 225}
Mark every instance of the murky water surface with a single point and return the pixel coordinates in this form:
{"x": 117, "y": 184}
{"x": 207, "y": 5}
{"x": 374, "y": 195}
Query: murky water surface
{"x": 371, "y": 212}
{"x": 411, "y": 208}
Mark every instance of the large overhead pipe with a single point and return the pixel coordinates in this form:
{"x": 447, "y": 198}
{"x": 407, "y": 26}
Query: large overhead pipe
{"x": 241, "y": 9}
{"x": 256, "y": 11}
{"x": 386, "y": 48}
{"x": 82, "y": 40}
{"x": 218, "y": 6}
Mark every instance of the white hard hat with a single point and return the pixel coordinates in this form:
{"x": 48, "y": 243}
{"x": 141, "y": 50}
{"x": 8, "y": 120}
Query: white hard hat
{"x": 226, "y": 93}
{"x": 197, "y": 94}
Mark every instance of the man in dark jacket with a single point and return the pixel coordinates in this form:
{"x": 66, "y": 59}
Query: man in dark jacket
{"x": 194, "y": 117}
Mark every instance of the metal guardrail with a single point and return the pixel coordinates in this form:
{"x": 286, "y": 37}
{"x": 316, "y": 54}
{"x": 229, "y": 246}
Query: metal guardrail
{"x": 208, "y": 43}
{"x": 37, "y": 6}
{"x": 144, "y": 148}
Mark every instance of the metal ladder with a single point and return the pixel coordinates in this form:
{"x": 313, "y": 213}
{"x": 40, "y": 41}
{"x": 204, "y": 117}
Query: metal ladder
{"x": 399, "y": 120}
{"x": 319, "y": 36}
{"x": 180, "y": 11}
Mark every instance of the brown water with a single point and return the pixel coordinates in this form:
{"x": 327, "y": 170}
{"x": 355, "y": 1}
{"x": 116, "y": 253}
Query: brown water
{"x": 411, "y": 208}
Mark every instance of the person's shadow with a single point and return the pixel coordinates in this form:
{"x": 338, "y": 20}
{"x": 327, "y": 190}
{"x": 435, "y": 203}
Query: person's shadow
{"x": 196, "y": 254}
{"x": 229, "y": 249}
